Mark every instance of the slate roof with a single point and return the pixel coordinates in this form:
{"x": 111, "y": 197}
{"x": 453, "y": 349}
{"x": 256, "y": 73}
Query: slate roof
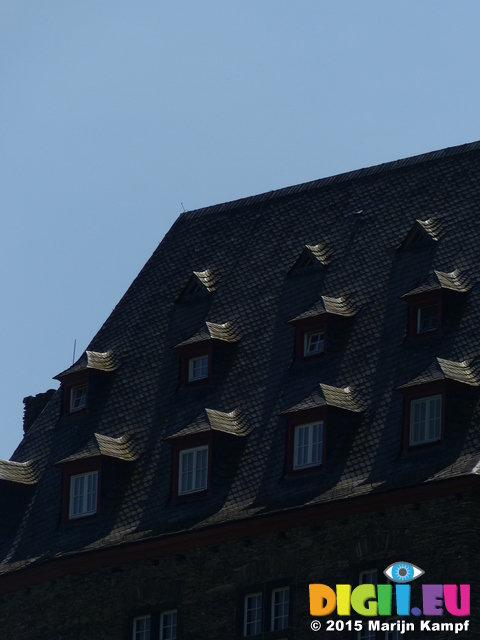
{"x": 328, "y": 396}
{"x": 120, "y": 448}
{"x": 210, "y": 420}
{"x": 421, "y": 231}
{"x": 365, "y": 218}
{"x": 311, "y": 253}
{"x": 438, "y": 280}
{"x": 226, "y": 332}
{"x": 441, "y": 369}
{"x": 17, "y": 472}
{"x": 106, "y": 361}
{"x": 334, "y": 306}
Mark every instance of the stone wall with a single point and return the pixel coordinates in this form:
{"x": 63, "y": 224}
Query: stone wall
{"x": 208, "y": 585}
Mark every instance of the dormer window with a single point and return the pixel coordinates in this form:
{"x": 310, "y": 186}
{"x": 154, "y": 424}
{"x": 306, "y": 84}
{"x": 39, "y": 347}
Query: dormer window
{"x": 193, "y": 470}
{"x": 425, "y": 400}
{"x": 78, "y": 398}
{"x": 425, "y": 420}
{"x": 427, "y": 318}
{"x": 83, "y": 377}
{"x": 313, "y": 327}
{"x": 198, "y": 368}
{"x": 82, "y": 473}
{"x": 205, "y": 349}
{"x": 306, "y": 428}
{"x": 427, "y": 301}
{"x": 308, "y": 448}
{"x": 196, "y": 447}
{"x": 313, "y": 343}
{"x": 83, "y": 495}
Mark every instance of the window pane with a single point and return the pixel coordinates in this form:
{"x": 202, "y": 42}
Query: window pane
{"x": 317, "y": 442}
{"x": 91, "y": 493}
{"x": 193, "y": 470}
{"x": 141, "y": 628}
{"x": 168, "y": 630}
{"x": 308, "y": 445}
{"x": 427, "y": 318}
{"x": 425, "y": 420}
{"x": 187, "y": 471}
{"x": 253, "y": 614}
{"x": 280, "y": 608}
{"x": 198, "y": 368}
{"x": 434, "y": 422}
{"x": 313, "y": 343}
{"x": 78, "y": 493}
{"x": 83, "y": 494}
{"x": 77, "y": 398}
{"x": 201, "y": 470}
{"x": 303, "y": 438}
{"x": 368, "y": 577}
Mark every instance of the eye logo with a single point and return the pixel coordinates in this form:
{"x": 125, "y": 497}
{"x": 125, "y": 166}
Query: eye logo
{"x": 403, "y": 572}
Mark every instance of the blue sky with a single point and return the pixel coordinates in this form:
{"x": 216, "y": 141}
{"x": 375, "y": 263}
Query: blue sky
{"x": 113, "y": 114}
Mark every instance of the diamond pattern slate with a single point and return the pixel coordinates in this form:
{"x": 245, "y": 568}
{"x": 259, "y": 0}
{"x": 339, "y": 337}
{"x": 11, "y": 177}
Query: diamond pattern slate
{"x": 362, "y": 217}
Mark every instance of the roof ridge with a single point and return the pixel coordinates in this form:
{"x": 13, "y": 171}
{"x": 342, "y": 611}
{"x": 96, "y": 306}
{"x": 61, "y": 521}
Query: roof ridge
{"x": 328, "y": 180}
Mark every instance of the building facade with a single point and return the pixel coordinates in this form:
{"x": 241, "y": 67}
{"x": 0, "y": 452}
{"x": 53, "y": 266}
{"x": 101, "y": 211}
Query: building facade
{"x": 287, "y": 394}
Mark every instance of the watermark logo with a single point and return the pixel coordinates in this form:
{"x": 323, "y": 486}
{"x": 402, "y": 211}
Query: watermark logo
{"x": 372, "y": 600}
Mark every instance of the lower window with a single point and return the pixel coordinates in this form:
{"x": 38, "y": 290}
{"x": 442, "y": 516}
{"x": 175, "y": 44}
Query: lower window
{"x": 83, "y": 494}
{"x": 141, "y": 628}
{"x": 280, "y": 608}
{"x": 370, "y": 576}
{"x": 425, "y": 420}
{"x": 308, "y": 448}
{"x": 168, "y": 625}
{"x": 252, "y": 623}
{"x": 395, "y": 634}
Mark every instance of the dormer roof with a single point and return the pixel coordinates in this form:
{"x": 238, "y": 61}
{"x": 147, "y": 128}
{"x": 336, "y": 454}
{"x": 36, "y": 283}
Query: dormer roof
{"x": 99, "y": 445}
{"x": 232, "y": 423}
{"x": 332, "y": 306}
{"x": 200, "y": 282}
{"x": 226, "y": 332}
{"x": 440, "y": 281}
{"x": 21, "y": 473}
{"x": 440, "y": 369}
{"x": 106, "y": 361}
{"x": 422, "y": 232}
{"x": 327, "y": 396}
{"x": 313, "y": 254}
